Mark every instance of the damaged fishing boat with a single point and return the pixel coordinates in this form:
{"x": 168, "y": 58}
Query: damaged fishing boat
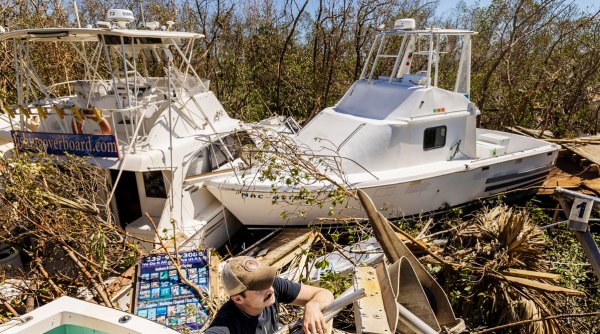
{"x": 405, "y": 133}
{"x": 139, "y": 110}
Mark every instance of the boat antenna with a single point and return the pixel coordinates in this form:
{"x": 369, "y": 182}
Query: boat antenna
{"x": 77, "y": 13}
{"x": 142, "y": 13}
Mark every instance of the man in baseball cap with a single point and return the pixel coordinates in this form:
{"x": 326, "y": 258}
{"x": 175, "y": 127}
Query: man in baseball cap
{"x": 255, "y": 293}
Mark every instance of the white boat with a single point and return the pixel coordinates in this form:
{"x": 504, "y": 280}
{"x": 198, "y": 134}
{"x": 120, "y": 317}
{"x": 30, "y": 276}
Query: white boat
{"x": 400, "y": 135}
{"x": 6, "y": 143}
{"x": 140, "y": 111}
{"x": 68, "y": 315}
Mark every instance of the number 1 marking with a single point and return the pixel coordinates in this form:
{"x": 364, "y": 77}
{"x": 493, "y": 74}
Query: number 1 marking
{"x": 581, "y": 206}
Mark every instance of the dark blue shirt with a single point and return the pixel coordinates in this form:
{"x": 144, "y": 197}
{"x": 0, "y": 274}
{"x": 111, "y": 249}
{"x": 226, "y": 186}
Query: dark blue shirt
{"x": 231, "y": 320}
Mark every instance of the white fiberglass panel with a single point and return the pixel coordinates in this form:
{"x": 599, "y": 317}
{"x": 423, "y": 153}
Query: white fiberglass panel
{"x": 362, "y": 144}
{"x": 376, "y": 147}
{"x": 398, "y": 101}
{"x": 327, "y": 132}
{"x": 376, "y": 100}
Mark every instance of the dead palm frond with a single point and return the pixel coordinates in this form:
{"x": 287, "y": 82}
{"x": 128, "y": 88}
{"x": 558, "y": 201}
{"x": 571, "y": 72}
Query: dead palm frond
{"x": 495, "y": 240}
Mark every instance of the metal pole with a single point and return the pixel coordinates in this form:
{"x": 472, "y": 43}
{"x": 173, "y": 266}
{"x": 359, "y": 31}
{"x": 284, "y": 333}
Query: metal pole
{"x": 17, "y": 56}
{"x": 430, "y": 59}
{"x": 591, "y": 249}
{"x": 76, "y": 13}
{"x": 580, "y": 226}
{"x": 573, "y": 194}
{"x": 437, "y": 60}
{"x": 364, "y": 70}
{"x": 125, "y": 71}
{"x": 169, "y": 60}
{"x": 376, "y": 60}
{"x": 112, "y": 73}
{"x": 330, "y": 311}
{"x": 399, "y": 58}
{"x": 413, "y": 322}
{"x": 344, "y": 300}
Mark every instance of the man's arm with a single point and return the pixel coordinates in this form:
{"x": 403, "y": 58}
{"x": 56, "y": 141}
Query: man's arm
{"x": 314, "y": 301}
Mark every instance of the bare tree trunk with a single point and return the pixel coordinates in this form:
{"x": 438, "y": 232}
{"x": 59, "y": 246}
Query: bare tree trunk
{"x": 282, "y": 55}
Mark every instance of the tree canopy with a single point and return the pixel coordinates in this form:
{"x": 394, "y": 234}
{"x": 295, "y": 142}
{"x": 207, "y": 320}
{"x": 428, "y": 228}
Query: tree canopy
{"x": 535, "y": 62}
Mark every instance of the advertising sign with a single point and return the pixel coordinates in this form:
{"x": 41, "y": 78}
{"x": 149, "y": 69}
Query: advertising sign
{"x": 61, "y": 143}
{"x": 162, "y": 296}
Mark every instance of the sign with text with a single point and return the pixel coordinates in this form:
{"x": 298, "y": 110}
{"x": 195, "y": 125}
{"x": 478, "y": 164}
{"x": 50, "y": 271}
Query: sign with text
{"x": 163, "y": 297}
{"x": 61, "y": 143}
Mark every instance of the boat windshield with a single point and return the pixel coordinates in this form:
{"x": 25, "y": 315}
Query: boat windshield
{"x": 434, "y": 57}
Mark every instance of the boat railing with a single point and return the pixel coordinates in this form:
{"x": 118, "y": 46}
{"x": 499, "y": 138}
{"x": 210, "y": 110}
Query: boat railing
{"x": 402, "y": 47}
{"x": 118, "y": 94}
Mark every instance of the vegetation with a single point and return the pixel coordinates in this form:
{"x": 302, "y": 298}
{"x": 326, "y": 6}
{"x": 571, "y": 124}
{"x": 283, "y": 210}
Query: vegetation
{"x": 534, "y": 61}
{"x": 535, "y": 64}
{"x": 53, "y": 211}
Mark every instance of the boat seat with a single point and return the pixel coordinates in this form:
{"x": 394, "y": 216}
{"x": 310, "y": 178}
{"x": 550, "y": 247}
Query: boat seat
{"x": 98, "y": 89}
{"x": 420, "y": 78}
{"x": 141, "y": 89}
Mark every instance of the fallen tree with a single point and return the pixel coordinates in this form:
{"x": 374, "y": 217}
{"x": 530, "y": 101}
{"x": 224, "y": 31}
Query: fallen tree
{"x": 53, "y": 212}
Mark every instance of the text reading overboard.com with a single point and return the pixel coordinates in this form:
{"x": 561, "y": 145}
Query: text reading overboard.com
{"x": 60, "y": 143}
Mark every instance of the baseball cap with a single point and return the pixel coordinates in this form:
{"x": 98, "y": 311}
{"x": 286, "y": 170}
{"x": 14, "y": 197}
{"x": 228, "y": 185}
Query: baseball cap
{"x": 243, "y": 273}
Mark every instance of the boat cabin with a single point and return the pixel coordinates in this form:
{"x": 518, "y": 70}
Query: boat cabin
{"x": 409, "y": 107}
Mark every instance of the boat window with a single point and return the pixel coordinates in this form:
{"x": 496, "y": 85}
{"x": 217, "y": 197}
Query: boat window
{"x": 233, "y": 143}
{"x": 434, "y": 137}
{"x": 199, "y": 163}
{"x": 116, "y": 40}
{"x": 154, "y": 184}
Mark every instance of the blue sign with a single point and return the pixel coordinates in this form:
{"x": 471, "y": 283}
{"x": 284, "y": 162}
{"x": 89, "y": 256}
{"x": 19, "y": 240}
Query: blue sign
{"x": 61, "y": 143}
{"x": 162, "y": 296}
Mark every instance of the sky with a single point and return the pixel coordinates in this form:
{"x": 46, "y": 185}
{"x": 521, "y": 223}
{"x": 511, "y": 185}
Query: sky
{"x": 449, "y": 4}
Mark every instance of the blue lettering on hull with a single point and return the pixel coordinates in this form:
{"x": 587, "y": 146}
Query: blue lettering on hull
{"x": 61, "y": 143}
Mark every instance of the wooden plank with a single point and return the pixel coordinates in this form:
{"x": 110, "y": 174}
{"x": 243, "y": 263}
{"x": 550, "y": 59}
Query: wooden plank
{"x": 121, "y": 282}
{"x": 593, "y": 185}
{"x": 559, "y": 178}
{"x": 284, "y": 243}
{"x": 414, "y": 248}
{"x": 369, "y": 311}
{"x": 295, "y": 252}
{"x": 304, "y": 258}
{"x": 590, "y": 152}
{"x": 120, "y": 290}
{"x": 543, "y": 286}
{"x": 531, "y": 274}
{"x": 536, "y": 133}
{"x": 215, "y": 289}
{"x": 258, "y": 245}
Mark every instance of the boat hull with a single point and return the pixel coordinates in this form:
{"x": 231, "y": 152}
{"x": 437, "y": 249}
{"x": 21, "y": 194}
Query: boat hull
{"x": 69, "y": 315}
{"x": 478, "y": 179}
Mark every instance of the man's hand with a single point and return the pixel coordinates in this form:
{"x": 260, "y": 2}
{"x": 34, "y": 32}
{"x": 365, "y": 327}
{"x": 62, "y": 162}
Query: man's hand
{"x": 313, "y": 323}
{"x": 314, "y": 300}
